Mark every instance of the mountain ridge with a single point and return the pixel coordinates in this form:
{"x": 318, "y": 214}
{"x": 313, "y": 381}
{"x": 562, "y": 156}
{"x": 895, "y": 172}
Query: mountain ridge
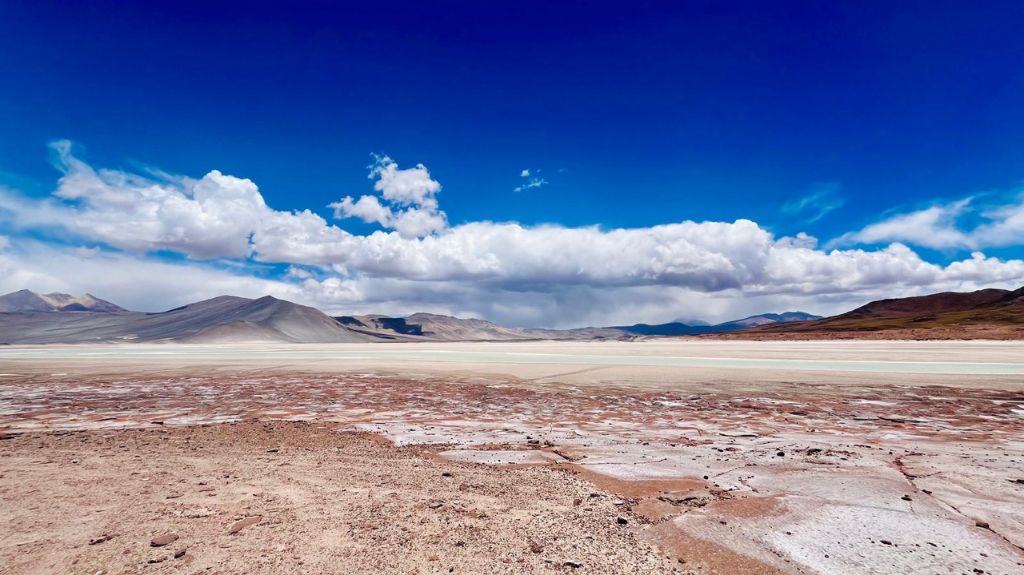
{"x": 988, "y": 313}
{"x": 27, "y": 300}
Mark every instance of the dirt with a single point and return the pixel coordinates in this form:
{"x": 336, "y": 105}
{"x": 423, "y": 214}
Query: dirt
{"x": 559, "y": 469}
{"x": 294, "y": 498}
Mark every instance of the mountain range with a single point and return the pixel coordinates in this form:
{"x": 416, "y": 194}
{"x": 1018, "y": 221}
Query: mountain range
{"x": 25, "y": 300}
{"x": 30, "y": 318}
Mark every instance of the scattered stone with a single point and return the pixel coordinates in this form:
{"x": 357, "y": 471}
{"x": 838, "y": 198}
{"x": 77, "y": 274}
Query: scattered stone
{"x": 165, "y": 539}
{"x": 780, "y": 454}
{"x": 905, "y": 498}
{"x": 272, "y": 450}
{"x": 243, "y": 523}
{"x": 179, "y": 553}
{"x": 885, "y": 542}
{"x": 100, "y": 539}
{"x": 536, "y": 547}
{"x": 446, "y": 474}
{"x": 157, "y": 560}
{"x": 621, "y": 520}
{"x": 982, "y": 524}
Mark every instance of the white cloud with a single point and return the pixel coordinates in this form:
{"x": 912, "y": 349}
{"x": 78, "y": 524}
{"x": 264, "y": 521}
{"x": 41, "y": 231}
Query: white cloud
{"x": 823, "y": 199}
{"x": 939, "y": 226}
{"x": 540, "y": 275}
{"x": 366, "y": 208}
{"x": 533, "y": 183}
{"x": 525, "y": 173}
{"x": 411, "y": 196}
{"x": 4, "y": 242}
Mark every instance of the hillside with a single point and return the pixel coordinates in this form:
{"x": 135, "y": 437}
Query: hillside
{"x": 988, "y": 313}
{"x": 435, "y": 327}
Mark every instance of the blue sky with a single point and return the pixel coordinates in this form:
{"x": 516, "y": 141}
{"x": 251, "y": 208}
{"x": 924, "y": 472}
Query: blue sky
{"x": 846, "y": 122}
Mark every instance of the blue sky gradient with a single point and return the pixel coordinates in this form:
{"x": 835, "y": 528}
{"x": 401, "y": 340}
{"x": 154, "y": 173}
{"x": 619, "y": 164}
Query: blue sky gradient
{"x": 815, "y": 117}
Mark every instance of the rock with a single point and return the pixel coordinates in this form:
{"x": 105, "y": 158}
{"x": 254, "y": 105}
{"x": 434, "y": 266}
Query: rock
{"x": 982, "y": 524}
{"x": 179, "y": 553}
{"x": 536, "y": 547}
{"x": 905, "y": 498}
{"x": 100, "y": 539}
{"x": 165, "y": 539}
{"x": 446, "y": 474}
{"x": 621, "y": 520}
{"x": 243, "y": 523}
{"x": 571, "y": 564}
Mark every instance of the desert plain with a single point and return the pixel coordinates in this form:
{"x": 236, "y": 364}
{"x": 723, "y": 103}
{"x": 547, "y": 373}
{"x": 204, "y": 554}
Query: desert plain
{"x": 661, "y": 456}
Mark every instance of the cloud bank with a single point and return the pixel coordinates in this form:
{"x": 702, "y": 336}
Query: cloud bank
{"x": 523, "y": 275}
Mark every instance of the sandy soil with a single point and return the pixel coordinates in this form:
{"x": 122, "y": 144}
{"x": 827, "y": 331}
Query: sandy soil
{"x": 725, "y": 470}
{"x": 304, "y": 498}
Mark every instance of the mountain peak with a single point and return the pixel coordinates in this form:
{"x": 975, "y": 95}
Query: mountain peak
{"x": 26, "y": 300}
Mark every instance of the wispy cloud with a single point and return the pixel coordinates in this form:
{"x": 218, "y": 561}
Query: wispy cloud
{"x": 822, "y": 199}
{"x": 971, "y": 223}
{"x": 533, "y": 183}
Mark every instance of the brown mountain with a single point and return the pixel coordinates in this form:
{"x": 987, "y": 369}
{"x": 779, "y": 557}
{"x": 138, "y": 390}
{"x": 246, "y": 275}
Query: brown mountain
{"x": 986, "y": 314}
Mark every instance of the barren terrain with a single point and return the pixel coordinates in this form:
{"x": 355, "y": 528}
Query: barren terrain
{"x": 726, "y": 457}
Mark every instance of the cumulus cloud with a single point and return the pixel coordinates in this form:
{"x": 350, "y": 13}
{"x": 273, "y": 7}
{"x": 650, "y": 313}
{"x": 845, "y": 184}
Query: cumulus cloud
{"x": 410, "y": 195}
{"x": 524, "y": 275}
{"x": 941, "y": 226}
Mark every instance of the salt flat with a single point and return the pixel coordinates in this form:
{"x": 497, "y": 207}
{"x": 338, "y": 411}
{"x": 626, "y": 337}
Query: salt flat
{"x": 738, "y": 457}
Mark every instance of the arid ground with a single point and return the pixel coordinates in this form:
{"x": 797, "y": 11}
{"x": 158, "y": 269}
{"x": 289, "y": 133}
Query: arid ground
{"x": 617, "y": 457}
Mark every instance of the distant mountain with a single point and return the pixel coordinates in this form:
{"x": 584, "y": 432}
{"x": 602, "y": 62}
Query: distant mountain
{"x": 988, "y": 313}
{"x": 434, "y": 327}
{"x": 26, "y": 300}
{"x": 677, "y": 328}
{"x": 221, "y": 319}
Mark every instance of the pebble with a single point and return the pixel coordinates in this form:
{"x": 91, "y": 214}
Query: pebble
{"x": 165, "y": 539}
{"x": 243, "y": 523}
